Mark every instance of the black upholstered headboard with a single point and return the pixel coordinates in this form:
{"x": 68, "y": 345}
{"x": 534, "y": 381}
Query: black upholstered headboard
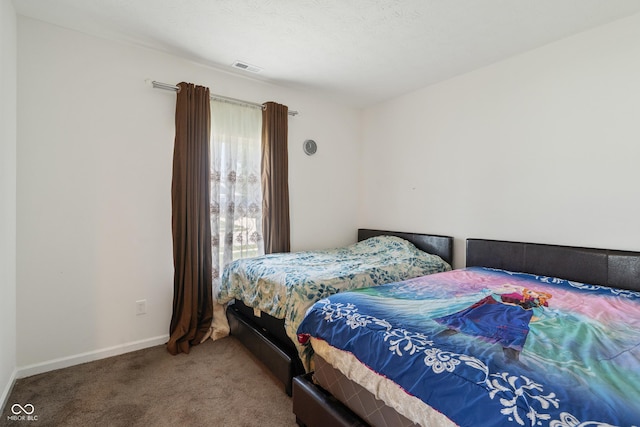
{"x": 613, "y": 268}
{"x": 430, "y": 243}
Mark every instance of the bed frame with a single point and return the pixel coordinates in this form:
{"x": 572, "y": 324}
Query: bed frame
{"x": 265, "y": 335}
{"x": 313, "y": 406}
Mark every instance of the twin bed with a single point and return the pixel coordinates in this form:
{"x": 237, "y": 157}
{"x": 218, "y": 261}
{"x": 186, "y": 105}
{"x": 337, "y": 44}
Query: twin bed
{"x": 269, "y": 295}
{"x": 488, "y": 345}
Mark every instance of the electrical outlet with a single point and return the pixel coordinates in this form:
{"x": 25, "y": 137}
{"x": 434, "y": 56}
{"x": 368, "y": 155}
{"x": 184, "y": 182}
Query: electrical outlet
{"x": 141, "y": 307}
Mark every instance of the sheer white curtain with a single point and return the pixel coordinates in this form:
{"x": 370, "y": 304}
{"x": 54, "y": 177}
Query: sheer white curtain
{"x": 236, "y": 194}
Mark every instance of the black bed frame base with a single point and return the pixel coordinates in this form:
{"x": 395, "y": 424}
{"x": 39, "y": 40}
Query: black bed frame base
{"x": 314, "y": 407}
{"x": 282, "y": 363}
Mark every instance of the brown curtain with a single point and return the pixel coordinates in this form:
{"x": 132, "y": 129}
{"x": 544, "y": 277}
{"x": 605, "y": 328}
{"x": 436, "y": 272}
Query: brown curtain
{"x": 192, "y": 293}
{"x": 275, "y": 178}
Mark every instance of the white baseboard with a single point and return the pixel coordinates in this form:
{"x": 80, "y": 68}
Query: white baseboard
{"x": 7, "y": 390}
{"x": 90, "y": 356}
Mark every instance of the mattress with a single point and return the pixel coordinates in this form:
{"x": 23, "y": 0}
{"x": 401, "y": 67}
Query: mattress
{"x": 363, "y": 403}
{"x": 376, "y": 399}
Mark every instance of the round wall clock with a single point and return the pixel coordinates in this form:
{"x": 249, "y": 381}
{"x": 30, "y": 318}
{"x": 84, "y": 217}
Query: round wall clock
{"x": 310, "y": 147}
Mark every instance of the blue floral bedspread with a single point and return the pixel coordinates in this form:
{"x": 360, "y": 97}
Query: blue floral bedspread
{"x": 285, "y": 285}
{"x": 494, "y": 348}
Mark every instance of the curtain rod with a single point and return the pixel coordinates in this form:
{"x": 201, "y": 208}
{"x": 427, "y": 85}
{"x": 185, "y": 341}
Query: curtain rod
{"x": 174, "y": 88}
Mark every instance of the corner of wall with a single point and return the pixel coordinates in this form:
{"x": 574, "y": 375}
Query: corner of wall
{"x": 4, "y": 396}
{"x": 8, "y": 144}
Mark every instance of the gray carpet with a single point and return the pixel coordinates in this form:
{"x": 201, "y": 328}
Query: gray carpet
{"x": 218, "y": 384}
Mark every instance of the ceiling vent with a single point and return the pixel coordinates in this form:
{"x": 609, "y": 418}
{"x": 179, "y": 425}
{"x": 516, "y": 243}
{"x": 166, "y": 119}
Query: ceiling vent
{"x": 246, "y": 67}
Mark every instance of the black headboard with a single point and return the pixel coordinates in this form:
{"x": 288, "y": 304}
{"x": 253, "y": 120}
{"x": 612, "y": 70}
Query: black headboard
{"x": 430, "y": 243}
{"x": 613, "y": 268}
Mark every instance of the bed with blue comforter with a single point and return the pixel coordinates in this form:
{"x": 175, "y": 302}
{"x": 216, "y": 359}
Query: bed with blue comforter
{"x": 487, "y": 347}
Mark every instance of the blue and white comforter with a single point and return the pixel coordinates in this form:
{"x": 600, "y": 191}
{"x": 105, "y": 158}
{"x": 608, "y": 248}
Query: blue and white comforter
{"x": 491, "y": 348}
{"x": 285, "y": 285}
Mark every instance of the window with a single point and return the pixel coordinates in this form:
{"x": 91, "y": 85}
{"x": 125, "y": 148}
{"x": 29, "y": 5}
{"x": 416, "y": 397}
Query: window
{"x": 236, "y": 195}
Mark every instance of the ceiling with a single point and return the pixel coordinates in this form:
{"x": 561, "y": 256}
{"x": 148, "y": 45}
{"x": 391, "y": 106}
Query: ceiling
{"x": 356, "y": 52}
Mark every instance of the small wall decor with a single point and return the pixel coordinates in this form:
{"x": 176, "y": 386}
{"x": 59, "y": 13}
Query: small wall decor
{"x": 310, "y": 147}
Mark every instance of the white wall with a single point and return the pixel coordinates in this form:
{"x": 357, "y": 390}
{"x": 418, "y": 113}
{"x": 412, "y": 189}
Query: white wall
{"x": 95, "y": 151}
{"x": 543, "y": 147}
{"x": 8, "y": 64}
